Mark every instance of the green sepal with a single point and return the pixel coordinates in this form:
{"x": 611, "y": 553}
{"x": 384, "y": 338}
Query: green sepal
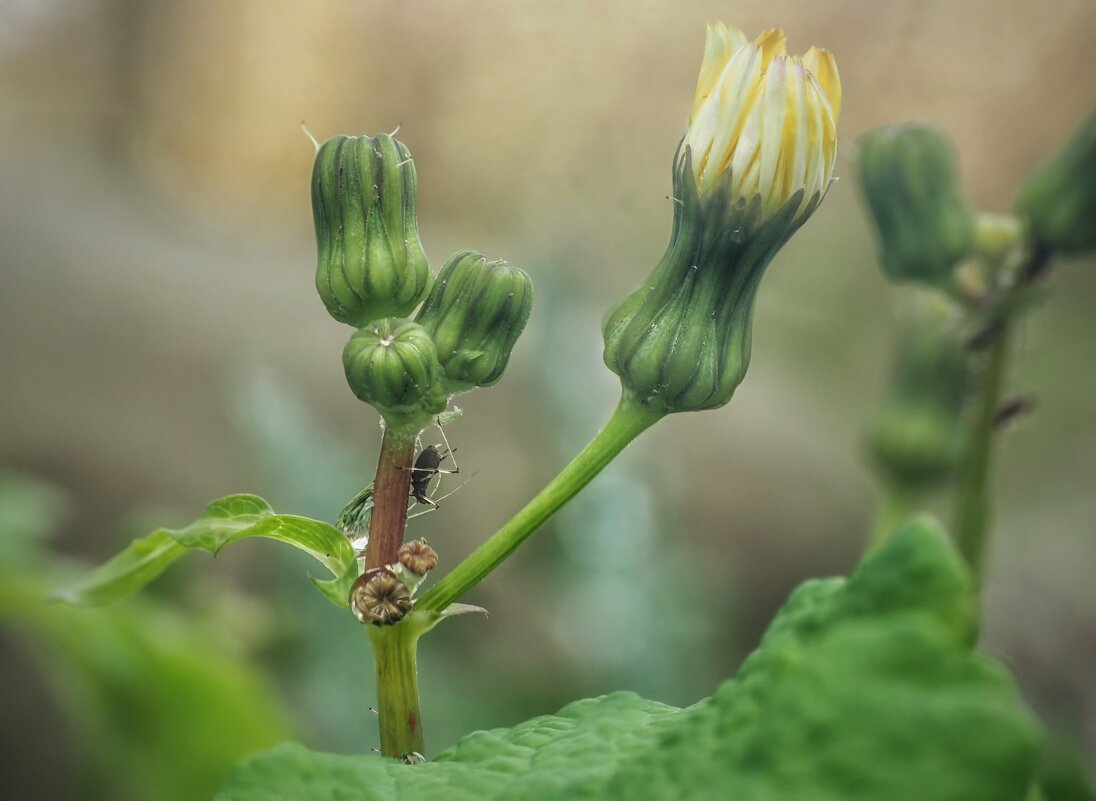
{"x": 681, "y": 341}
{"x": 370, "y": 261}
{"x": 924, "y": 225}
{"x": 392, "y": 364}
{"x": 1059, "y": 201}
{"x": 224, "y": 521}
{"x": 475, "y": 314}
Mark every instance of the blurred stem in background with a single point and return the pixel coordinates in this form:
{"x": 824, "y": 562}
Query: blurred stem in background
{"x": 973, "y": 491}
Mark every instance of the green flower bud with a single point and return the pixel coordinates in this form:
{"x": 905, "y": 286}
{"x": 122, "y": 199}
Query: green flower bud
{"x": 681, "y": 341}
{"x": 755, "y": 162}
{"x": 475, "y": 313}
{"x": 392, "y": 364}
{"x": 924, "y": 225}
{"x": 371, "y": 263}
{"x": 1059, "y": 201}
{"x": 916, "y": 440}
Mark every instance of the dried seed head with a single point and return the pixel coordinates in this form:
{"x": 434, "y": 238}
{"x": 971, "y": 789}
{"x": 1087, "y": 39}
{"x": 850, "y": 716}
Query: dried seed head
{"x": 379, "y": 597}
{"x": 418, "y": 557}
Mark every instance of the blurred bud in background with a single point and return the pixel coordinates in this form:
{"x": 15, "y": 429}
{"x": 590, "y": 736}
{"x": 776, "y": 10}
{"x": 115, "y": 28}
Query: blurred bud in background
{"x": 917, "y": 437}
{"x": 756, "y": 161}
{"x": 475, "y": 314}
{"x": 923, "y": 224}
{"x": 371, "y": 263}
{"x": 1059, "y": 201}
{"x": 392, "y": 365}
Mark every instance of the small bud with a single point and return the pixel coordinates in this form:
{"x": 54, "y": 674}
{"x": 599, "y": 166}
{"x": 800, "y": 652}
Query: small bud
{"x": 392, "y": 364}
{"x": 755, "y": 163}
{"x": 1059, "y": 201}
{"x": 418, "y": 557}
{"x": 923, "y": 223}
{"x": 371, "y": 263}
{"x": 916, "y": 440}
{"x": 379, "y": 597}
{"x": 475, "y": 313}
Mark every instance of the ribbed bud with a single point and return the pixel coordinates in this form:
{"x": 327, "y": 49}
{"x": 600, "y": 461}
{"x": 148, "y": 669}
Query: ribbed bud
{"x": 475, "y": 313}
{"x": 681, "y": 341}
{"x": 371, "y": 263}
{"x": 757, "y": 159}
{"x": 392, "y": 364}
{"x": 916, "y": 440}
{"x": 1059, "y": 201}
{"x": 923, "y": 223}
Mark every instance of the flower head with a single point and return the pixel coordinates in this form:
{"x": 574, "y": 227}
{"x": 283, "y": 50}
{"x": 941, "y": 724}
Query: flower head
{"x": 764, "y": 120}
{"x": 754, "y": 165}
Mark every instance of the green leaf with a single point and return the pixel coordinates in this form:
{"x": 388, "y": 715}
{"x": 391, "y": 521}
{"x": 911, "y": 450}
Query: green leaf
{"x": 223, "y": 521}
{"x": 157, "y": 707}
{"x": 141, "y": 562}
{"x": 861, "y": 690}
{"x": 337, "y": 590}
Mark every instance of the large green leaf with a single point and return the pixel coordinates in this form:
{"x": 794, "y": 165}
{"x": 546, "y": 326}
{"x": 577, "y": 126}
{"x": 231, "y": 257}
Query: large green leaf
{"x": 223, "y": 521}
{"x": 862, "y": 690}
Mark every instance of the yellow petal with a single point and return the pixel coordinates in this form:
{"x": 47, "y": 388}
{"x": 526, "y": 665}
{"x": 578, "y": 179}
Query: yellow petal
{"x": 772, "y": 43}
{"x": 720, "y": 44}
{"x": 773, "y": 111}
{"x": 822, "y": 66}
{"x": 737, "y": 97}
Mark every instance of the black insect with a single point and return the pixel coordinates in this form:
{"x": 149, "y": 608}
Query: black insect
{"x": 428, "y": 465}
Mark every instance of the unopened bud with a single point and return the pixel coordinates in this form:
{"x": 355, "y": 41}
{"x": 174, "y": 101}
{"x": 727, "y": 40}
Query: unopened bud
{"x": 1059, "y": 201}
{"x": 379, "y": 597}
{"x": 917, "y": 438}
{"x": 923, "y": 223}
{"x": 757, "y": 159}
{"x": 417, "y": 557}
{"x": 475, "y": 313}
{"x": 371, "y": 263}
{"x": 392, "y": 364}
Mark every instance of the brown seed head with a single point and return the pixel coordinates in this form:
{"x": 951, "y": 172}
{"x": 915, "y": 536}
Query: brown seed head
{"x": 379, "y": 597}
{"x": 418, "y": 557}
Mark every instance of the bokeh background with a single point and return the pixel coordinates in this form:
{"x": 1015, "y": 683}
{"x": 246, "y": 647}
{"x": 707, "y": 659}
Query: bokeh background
{"x": 161, "y": 345}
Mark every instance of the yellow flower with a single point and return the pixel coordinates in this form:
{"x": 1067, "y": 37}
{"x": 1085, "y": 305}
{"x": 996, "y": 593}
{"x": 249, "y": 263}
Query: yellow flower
{"x": 766, "y": 120}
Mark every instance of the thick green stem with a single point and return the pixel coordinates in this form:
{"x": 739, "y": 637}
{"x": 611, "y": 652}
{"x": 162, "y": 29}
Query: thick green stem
{"x": 894, "y": 507}
{"x": 394, "y": 650}
{"x": 391, "y": 488}
{"x": 628, "y": 421}
{"x": 972, "y": 512}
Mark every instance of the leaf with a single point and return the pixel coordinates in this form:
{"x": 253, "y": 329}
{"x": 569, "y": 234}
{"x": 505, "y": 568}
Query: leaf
{"x": 862, "y": 689}
{"x": 141, "y": 562}
{"x": 156, "y": 706}
{"x": 337, "y": 590}
{"x": 223, "y": 521}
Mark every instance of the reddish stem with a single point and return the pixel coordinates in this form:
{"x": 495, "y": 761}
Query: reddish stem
{"x": 391, "y": 488}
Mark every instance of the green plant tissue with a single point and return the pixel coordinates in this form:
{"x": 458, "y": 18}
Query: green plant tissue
{"x": 862, "y": 689}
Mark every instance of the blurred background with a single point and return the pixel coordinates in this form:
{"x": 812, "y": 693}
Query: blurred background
{"x": 163, "y": 345}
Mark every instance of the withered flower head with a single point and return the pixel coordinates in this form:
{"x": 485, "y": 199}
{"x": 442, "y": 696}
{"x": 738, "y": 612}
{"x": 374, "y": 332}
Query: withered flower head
{"x": 418, "y": 557}
{"x": 379, "y": 597}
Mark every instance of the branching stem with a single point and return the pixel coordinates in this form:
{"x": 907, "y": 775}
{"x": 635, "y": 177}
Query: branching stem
{"x": 628, "y": 421}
